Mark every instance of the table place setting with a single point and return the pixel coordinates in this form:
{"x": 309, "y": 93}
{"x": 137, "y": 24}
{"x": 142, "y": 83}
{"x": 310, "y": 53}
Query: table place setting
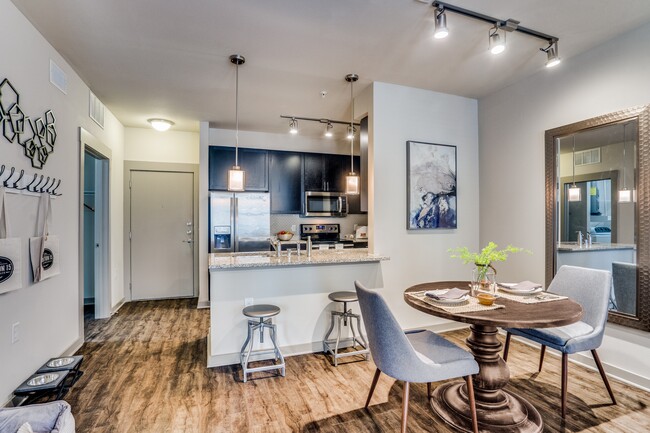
{"x": 452, "y": 300}
{"x": 526, "y": 292}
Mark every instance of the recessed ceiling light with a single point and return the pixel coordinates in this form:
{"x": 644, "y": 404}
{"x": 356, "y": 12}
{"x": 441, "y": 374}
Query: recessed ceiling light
{"x": 161, "y": 125}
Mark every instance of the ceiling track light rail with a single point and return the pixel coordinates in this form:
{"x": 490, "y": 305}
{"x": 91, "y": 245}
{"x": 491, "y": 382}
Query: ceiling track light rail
{"x": 311, "y": 119}
{"x": 508, "y": 25}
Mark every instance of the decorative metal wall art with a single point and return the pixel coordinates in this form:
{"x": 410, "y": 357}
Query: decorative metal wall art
{"x": 38, "y": 139}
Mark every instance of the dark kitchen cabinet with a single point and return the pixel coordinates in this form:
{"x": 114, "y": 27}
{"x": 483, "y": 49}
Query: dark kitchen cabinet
{"x": 285, "y": 173}
{"x": 325, "y": 172}
{"x": 255, "y": 162}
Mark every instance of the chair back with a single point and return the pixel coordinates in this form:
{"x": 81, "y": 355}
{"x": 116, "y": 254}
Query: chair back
{"x": 391, "y": 351}
{"x": 589, "y": 287}
{"x": 625, "y": 278}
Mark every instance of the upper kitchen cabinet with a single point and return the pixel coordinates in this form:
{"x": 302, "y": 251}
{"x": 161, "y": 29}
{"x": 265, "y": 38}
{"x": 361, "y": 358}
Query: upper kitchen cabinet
{"x": 325, "y": 172}
{"x": 285, "y": 171}
{"x": 255, "y": 162}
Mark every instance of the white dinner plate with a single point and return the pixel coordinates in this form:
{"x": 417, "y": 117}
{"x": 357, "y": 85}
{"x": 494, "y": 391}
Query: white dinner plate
{"x": 460, "y": 300}
{"x": 503, "y": 287}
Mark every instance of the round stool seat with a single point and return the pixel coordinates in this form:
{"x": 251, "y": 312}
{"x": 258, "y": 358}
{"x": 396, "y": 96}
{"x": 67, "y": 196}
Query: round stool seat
{"x": 261, "y": 311}
{"x": 343, "y": 296}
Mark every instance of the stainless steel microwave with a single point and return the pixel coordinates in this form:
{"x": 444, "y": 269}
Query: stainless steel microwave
{"x": 324, "y": 204}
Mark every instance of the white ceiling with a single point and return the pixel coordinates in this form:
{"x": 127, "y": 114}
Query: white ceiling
{"x": 153, "y": 58}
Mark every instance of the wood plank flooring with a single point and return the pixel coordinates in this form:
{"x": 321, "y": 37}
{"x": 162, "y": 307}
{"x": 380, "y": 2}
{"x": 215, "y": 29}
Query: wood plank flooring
{"x": 145, "y": 372}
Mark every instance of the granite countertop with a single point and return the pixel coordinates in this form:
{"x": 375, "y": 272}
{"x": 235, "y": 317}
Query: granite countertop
{"x": 575, "y": 248}
{"x": 270, "y": 259}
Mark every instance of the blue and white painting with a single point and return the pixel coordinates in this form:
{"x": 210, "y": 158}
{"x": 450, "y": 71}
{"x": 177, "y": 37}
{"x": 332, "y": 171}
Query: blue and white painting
{"x": 431, "y": 186}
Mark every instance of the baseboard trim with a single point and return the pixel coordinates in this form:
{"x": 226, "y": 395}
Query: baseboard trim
{"x": 118, "y": 306}
{"x": 583, "y": 360}
{"x": 72, "y": 349}
{"x": 312, "y": 347}
{"x": 203, "y": 304}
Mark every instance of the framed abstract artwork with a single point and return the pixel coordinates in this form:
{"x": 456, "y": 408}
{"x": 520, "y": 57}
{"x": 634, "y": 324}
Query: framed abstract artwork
{"x": 430, "y": 186}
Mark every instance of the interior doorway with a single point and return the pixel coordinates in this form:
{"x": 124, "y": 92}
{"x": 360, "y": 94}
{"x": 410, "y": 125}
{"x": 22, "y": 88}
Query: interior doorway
{"x": 95, "y": 228}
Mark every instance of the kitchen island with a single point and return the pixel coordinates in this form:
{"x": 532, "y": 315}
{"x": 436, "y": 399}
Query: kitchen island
{"x": 299, "y": 285}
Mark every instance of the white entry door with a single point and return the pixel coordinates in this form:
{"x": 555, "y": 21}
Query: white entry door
{"x": 162, "y": 234}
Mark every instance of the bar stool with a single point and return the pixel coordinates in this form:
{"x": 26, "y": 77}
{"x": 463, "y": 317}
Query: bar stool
{"x": 344, "y": 316}
{"x": 263, "y": 313}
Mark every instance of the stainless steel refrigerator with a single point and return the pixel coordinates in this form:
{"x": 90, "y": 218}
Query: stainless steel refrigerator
{"x": 239, "y": 222}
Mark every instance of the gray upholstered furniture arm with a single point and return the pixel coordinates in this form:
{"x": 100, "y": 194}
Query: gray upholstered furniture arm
{"x": 54, "y": 417}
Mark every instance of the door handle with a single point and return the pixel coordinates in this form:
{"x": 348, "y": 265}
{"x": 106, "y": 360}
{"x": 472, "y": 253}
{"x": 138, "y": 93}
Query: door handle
{"x": 189, "y": 241}
{"x": 340, "y": 204}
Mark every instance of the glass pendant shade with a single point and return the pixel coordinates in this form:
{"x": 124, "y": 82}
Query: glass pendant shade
{"x": 236, "y": 179}
{"x": 352, "y": 184}
{"x": 574, "y": 193}
{"x": 624, "y": 195}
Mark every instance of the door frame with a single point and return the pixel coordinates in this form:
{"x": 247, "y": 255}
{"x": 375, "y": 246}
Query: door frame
{"x": 130, "y": 166}
{"x": 103, "y": 290}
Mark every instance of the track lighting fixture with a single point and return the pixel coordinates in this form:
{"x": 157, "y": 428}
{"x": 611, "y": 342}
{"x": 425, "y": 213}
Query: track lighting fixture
{"x": 441, "y": 30}
{"x": 293, "y": 126}
{"x": 328, "y": 130}
{"x": 236, "y": 176}
{"x": 496, "y": 42}
{"x": 552, "y": 57}
{"x": 497, "y": 35}
{"x": 351, "y": 132}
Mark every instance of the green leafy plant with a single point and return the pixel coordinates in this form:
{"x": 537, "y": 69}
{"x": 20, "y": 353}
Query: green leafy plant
{"x": 484, "y": 259}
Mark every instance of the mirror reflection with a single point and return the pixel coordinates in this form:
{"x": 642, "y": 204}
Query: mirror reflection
{"x": 596, "y": 200}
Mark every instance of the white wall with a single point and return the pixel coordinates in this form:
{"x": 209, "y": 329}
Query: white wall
{"x": 398, "y": 114}
{"x": 49, "y": 312}
{"x": 142, "y": 144}
{"x": 512, "y": 122}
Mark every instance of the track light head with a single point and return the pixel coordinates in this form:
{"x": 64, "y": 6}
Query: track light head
{"x": 351, "y": 132}
{"x": 496, "y": 42}
{"x": 552, "y": 56}
{"x": 441, "y": 30}
{"x": 293, "y": 126}
{"x": 328, "y": 130}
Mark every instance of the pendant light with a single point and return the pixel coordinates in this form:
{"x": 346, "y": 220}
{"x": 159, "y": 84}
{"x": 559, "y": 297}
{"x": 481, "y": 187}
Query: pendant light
{"x": 236, "y": 176}
{"x": 574, "y": 191}
{"x": 352, "y": 179}
{"x": 624, "y": 195}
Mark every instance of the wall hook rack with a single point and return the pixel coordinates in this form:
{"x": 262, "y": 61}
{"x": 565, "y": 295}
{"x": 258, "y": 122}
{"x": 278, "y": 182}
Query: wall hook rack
{"x": 15, "y": 183}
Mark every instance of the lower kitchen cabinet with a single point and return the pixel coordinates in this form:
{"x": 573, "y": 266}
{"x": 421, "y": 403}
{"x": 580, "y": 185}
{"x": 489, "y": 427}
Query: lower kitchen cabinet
{"x": 285, "y": 172}
{"x": 254, "y": 162}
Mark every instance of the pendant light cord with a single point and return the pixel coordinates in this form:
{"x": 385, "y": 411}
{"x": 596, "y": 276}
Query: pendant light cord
{"x": 352, "y": 127}
{"x": 574, "y": 160}
{"x": 236, "y": 115}
{"x": 624, "y": 159}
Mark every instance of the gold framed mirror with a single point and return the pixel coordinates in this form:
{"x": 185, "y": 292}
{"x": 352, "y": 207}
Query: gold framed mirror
{"x": 598, "y": 206}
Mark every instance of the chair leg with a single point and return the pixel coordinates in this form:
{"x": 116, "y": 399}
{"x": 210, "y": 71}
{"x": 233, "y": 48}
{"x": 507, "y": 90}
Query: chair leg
{"x": 565, "y": 366}
{"x": 428, "y": 389}
{"x": 507, "y": 346}
{"x": 372, "y": 387}
{"x": 405, "y": 406}
{"x": 603, "y": 375}
{"x": 541, "y": 357}
{"x": 472, "y": 403}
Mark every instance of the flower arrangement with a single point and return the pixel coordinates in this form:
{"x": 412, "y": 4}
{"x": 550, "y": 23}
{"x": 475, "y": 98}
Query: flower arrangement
{"x": 484, "y": 259}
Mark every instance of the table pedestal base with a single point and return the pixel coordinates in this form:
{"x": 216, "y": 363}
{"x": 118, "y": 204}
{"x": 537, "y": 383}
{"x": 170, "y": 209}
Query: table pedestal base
{"x": 513, "y": 414}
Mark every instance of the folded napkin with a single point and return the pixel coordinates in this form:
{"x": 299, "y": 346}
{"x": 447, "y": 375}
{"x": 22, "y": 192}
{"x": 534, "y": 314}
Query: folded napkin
{"x": 525, "y": 286}
{"x": 454, "y": 293}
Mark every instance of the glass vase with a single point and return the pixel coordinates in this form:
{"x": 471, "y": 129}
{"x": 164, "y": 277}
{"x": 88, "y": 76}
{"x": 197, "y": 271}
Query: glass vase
{"x": 483, "y": 279}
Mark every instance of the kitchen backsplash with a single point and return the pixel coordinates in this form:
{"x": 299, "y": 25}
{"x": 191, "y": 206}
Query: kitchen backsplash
{"x": 285, "y": 221}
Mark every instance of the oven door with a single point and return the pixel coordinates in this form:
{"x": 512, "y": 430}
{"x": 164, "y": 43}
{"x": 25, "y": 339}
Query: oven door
{"x": 322, "y": 204}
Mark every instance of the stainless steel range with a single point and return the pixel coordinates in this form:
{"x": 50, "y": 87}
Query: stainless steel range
{"x": 323, "y": 234}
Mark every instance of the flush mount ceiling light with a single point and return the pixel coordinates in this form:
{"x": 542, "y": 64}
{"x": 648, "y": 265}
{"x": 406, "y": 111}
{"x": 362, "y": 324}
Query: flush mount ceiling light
{"x": 441, "y": 30}
{"x": 328, "y": 130}
{"x": 161, "y": 125}
{"x": 352, "y": 179}
{"x": 496, "y": 40}
{"x": 552, "y": 56}
{"x": 293, "y": 126}
{"x": 236, "y": 176}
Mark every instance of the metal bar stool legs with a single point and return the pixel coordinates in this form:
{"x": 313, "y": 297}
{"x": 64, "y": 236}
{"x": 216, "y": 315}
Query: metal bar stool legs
{"x": 344, "y": 319}
{"x": 263, "y": 314}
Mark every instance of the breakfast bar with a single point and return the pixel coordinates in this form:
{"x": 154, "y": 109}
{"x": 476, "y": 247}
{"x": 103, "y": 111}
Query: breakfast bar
{"x": 299, "y": 285}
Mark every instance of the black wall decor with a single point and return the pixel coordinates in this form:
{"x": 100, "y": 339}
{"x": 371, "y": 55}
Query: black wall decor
{"x": 37, "y": 136}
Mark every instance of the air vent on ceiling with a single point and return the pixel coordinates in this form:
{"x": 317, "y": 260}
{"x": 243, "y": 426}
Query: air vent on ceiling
{"x": 58, "y": 77}
{"x": 96, "y": 110}
{"x": 589, "y": 156}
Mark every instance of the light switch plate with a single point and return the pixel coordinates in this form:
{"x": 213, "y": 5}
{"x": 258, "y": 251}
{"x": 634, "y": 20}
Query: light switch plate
{"x": 15, "y": 333}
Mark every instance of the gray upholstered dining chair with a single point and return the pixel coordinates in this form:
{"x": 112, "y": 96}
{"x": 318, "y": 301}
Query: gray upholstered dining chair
{"x": 419, "y": 356}
{"x": 591, "y": 289}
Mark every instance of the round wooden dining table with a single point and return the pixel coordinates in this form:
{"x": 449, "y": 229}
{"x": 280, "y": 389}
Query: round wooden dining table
{"x": 498, "y": 410}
